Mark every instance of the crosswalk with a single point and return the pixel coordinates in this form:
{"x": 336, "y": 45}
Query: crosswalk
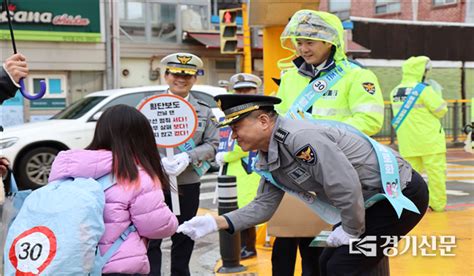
{"x": 458, "y": 172}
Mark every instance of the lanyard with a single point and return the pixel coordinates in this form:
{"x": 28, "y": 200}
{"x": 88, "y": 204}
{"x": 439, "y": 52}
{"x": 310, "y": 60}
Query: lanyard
{"x": 316, "y": 89}
{"x": 388, "y": 166}
{"x": 407, "y": 105}
{"x": 326, "y": 211}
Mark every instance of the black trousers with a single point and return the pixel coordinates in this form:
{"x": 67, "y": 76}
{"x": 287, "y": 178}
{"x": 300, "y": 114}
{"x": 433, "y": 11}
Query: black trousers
{"x": 182, "y": 246}
{"x": 248, "y": 238}
{"x": 380, "y": 220}
{"x": 284, "y": 257}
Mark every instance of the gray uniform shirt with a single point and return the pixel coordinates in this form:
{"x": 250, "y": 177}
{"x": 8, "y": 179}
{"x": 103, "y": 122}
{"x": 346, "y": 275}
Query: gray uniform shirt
{"x": 206, "y": 139}
{"x": 338, "y": 166}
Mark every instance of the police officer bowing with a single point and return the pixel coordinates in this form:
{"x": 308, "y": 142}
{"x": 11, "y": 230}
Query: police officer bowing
{"x": 330, "y": 167}
{"x": 190, "y": 161}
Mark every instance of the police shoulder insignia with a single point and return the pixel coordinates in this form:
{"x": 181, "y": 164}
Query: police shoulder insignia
{"x": 307, "y": 154}
{"x": 369, "y": 87}
{"x": 203, "y": 103}
{"x": 280, "y": 135}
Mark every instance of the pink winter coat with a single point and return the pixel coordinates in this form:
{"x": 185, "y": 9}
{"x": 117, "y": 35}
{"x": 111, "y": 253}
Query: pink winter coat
{"x": 143, "y": 206}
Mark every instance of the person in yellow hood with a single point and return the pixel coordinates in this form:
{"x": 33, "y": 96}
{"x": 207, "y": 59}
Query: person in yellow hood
{"x": 421, "y": 137}
{"x": 316, "y": 39}
{"x": 236, "y": 163}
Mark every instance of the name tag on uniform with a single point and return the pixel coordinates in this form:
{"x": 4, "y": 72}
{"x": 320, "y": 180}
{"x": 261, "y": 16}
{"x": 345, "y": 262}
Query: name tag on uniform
{"x": 201, "y": 124}
{"x": 299, "y": 175}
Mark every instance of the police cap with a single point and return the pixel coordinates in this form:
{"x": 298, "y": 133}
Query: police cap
{"x": 236, "y": 107}
{"x": 182, "y": 63}
{"x": 244, "y": 80}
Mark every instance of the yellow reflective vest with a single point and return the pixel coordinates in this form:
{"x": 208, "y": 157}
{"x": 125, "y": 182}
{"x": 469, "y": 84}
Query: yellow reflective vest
{"x": 247, "y": 184}
{"x": 356, "y": 99}
{"x": 421, "y": 133}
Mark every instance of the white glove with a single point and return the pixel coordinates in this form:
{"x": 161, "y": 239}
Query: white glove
{"x": 220, "y": 158}
{"x": 198, "y": 226}
{"x": 176, "y": 165}
{"x": 339, "y": 237}
{"x": 170, "y": 166}
{"x": 183, "y": 161}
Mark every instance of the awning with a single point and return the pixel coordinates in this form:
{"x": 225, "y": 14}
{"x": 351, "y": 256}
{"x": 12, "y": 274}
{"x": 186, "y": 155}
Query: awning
{"x": 212, "y": 40}
{"x": 356, "y": 49}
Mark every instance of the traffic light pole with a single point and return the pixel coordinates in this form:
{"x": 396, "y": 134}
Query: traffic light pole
{"x": 247, "y": 43}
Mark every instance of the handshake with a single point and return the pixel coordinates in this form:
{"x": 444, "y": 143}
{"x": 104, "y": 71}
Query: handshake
{"x": 198, "y": 227}
{"x": 177, "y": 165}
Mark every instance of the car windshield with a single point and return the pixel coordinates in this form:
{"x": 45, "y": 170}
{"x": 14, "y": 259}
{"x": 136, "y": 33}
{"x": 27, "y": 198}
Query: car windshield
{"x": 78, "y": 108}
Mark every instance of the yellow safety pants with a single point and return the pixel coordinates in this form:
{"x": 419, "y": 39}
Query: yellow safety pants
{"x": 435, "y": 167}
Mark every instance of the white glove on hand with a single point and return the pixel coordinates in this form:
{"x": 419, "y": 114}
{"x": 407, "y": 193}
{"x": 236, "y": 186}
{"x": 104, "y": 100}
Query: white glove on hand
{"x": 220, "y": 158}
{"x": 339, "y": 237}
{"x": 176, "y": 165}
{"x": 170, "y": 166}
{"x": 198, "y": 226}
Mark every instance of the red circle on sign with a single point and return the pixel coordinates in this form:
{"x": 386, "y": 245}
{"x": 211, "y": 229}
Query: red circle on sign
{"x": 143, "y": 103}
{"x": 52, "y": 245}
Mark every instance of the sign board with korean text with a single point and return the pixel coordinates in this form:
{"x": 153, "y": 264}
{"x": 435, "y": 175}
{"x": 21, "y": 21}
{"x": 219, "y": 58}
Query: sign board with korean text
{"x": 53, "y": 20}
{"x": 172, "y": 119}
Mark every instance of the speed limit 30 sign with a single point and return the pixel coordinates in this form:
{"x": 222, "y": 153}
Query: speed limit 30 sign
{"x": 33, "y": 250}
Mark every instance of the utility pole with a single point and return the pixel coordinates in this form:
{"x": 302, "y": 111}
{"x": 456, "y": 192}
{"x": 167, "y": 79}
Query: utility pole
{"x": 247, "y": 43}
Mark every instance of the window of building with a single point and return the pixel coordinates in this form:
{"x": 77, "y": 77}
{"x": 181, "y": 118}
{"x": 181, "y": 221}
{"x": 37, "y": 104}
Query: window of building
{"x": 387, "y": 6}
{"x": 443, "y": 2}
{"x": 195, "y": 17}
{"x": 341, "y": 8}
{"x": 55, "y": 96}
{"x": 162, "y": 20}
{"x": 132, "y": 18}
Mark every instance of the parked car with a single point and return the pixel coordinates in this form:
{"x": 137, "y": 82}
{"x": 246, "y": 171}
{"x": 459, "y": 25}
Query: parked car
{"x": 32, "y": 147}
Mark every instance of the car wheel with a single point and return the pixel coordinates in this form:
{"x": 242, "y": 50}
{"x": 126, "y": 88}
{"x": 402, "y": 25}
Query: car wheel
{"x": 34, "y": 167}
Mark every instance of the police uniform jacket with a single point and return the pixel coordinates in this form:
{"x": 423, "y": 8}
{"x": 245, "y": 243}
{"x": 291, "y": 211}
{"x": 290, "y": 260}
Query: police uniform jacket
{"x": 339, "y": 167}
{"x": 206, "y": 139}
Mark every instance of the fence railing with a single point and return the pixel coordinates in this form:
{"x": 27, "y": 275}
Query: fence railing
{"x": 456, "y": 118}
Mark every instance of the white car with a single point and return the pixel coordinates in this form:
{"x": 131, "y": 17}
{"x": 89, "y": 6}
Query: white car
{"x": 32, "y": 147}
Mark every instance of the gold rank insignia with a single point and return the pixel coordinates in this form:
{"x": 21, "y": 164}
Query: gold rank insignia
{"x": 307, "y": 154}
{"x": 369, "y": 87}
{"x": 184, "y": 59}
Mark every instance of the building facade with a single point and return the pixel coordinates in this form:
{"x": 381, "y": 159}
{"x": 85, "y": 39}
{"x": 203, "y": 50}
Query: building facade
{"x": 422, "y": 10}
{"x": 64, "y": 45}
{"x": 79, "y": 47}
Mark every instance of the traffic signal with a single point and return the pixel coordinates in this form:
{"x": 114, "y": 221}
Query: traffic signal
{"x": 228, "y": 31}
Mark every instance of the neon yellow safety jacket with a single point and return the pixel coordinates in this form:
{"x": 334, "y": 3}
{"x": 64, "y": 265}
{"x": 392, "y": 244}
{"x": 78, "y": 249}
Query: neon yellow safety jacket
{"x": 247, "y": 184}
{"x": 421, "y": 133}
{"x": 356, "y": 99}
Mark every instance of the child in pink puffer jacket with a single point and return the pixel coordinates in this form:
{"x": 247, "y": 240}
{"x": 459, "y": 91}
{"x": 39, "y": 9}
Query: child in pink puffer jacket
{"x": 124, "y": 144}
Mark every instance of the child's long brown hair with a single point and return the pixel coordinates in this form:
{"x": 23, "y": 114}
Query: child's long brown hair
{"x": 126, "y": 132}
